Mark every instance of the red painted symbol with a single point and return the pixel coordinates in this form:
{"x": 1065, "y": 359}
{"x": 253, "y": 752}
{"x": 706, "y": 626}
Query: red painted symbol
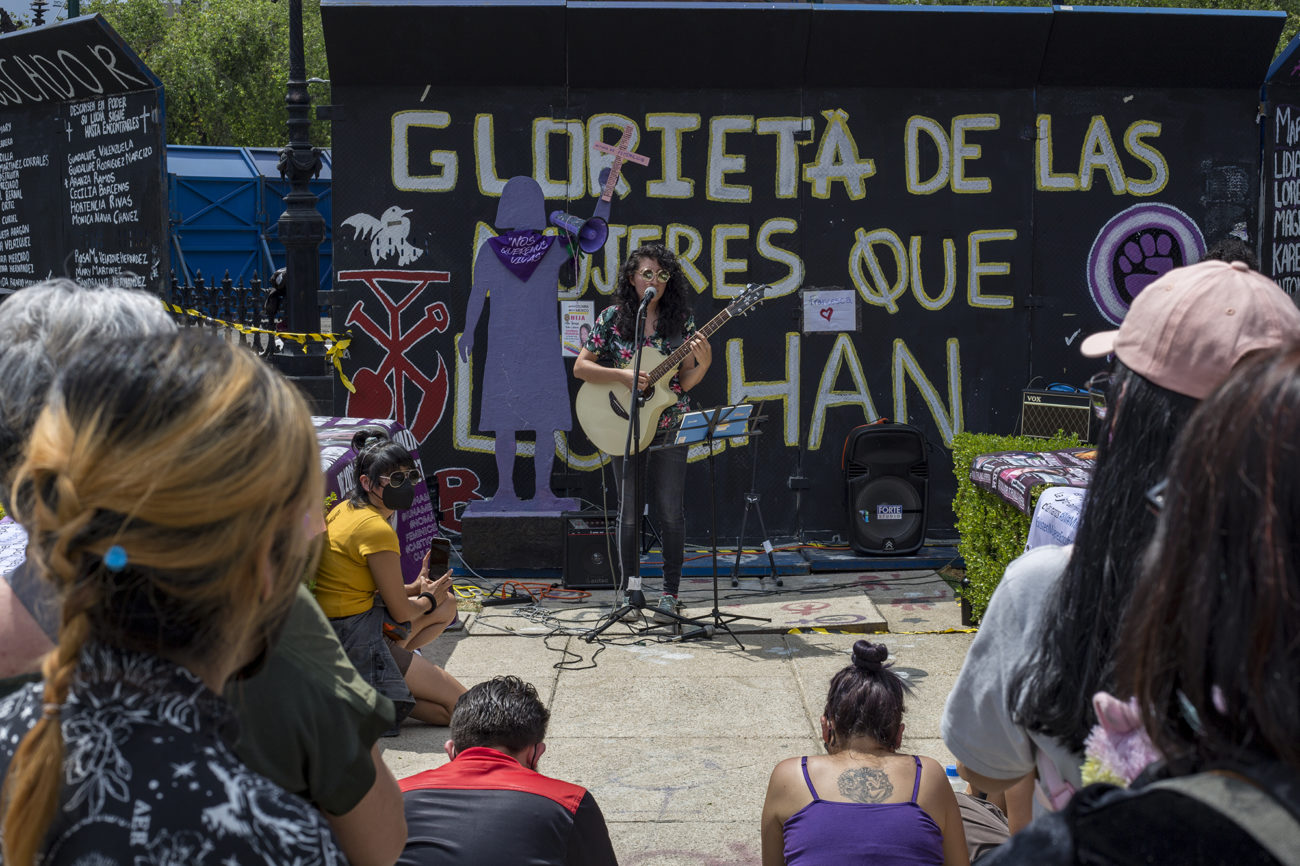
{"x": 827, "y": 312}
{"x": 381, "y": 392}
{"x": 804, "y": 607}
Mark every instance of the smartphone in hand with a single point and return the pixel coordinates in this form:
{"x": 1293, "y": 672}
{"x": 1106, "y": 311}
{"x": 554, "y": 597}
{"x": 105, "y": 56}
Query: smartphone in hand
{"x": 439, "y": 555}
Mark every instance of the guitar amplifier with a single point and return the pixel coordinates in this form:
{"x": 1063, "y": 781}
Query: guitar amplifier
{"x": 590, "y": 549}
{"x": 1044, "y": 413}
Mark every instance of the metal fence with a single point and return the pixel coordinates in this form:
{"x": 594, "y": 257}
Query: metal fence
{"x": 247, "y": 315}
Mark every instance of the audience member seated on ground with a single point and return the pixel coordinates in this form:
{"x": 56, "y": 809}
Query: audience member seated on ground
{"x": 40, "y": 328}
{"x": 1210, "y": 650}
{"x": 310, "y": 723}
{"x": 489, "y": 804}
{"x": 1047, "y": 641}
{"x": 307, "y": 686}
{"x": 362, "y": 558}
{"x": 175, "y": 575}
{"x": 863, "y": 801}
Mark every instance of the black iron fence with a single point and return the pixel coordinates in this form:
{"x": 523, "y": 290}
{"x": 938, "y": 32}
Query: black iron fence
{"x": 250, "y": 315}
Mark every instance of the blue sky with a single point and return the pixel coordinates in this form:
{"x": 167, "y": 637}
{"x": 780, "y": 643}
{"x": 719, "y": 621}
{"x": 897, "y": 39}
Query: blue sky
{"x": 24, "y": 8}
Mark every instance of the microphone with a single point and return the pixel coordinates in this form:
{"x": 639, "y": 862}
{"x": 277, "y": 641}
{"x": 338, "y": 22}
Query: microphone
{"x": 649, "y": 296}
{"x": 705, "y": 632}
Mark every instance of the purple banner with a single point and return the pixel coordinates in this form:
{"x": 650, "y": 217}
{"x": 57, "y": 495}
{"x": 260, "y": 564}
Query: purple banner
{"x": 417, "y": 525}
{"x": 1013, "y": 475}
{"x": 521, "y": 251}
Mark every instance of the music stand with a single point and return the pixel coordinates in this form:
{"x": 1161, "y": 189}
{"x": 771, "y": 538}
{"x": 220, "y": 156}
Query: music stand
{"x": 708, "y": 426}
{"x": 752, "y": 499}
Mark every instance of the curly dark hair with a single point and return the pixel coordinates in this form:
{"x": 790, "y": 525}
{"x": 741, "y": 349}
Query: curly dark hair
{"x": 674, "y": 304}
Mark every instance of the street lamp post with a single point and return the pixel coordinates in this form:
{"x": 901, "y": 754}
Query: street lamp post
{"x": 301, "y": 229}
{"x": 301, "y": 226}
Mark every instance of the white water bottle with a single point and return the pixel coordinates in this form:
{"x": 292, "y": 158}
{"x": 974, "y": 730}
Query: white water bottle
{"x": 958, "y": 783}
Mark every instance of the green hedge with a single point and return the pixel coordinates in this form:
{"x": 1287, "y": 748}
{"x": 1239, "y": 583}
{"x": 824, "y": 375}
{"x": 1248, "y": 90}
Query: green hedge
{"x": 993, "y": 531}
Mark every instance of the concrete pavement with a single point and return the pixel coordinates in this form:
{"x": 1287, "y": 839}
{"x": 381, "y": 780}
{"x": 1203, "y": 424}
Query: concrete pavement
{"x": 676, "y": 740}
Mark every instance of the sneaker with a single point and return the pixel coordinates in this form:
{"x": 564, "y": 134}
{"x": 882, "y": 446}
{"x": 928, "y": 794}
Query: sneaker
{"x": 631, "y": 614}
{"x": 667, "y": 605}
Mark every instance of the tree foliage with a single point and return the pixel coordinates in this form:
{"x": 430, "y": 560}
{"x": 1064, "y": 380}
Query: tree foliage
{"x": 224, "y": 65}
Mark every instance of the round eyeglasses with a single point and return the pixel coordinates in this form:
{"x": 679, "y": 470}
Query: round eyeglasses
{"x": 400, "y": 477}
{"x": 661, "y": 276}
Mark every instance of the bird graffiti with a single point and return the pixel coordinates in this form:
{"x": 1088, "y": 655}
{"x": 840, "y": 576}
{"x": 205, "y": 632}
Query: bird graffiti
{"x": 388, "y": 233}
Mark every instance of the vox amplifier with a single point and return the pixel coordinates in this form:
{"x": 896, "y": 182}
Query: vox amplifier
{"x": 1043, "y": 413}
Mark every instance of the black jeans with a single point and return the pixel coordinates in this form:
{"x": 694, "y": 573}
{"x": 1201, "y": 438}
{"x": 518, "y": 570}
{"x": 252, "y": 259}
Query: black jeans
{"x": 663, "y": 484}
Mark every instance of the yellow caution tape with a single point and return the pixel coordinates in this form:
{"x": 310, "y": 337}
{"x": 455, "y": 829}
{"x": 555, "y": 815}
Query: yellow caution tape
{"x": 334, "y": 352}
{"x": 842, "y": 631}
{"x": 941, "y": 631}
{"x": 819, "y": 630}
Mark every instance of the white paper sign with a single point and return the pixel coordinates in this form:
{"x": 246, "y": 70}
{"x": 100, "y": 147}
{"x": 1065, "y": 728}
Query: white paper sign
{"x": 830, "y": 310}
{"x": 576, "y": 319}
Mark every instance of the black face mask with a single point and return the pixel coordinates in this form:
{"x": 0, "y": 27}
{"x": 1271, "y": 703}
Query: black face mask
{"x": 399, "y": 498}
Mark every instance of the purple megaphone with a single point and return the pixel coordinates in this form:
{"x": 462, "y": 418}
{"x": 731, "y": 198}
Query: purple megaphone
{"x": 591, "y": 232}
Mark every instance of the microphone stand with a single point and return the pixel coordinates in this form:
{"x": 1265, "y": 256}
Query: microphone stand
{"x": 631, "y": 583}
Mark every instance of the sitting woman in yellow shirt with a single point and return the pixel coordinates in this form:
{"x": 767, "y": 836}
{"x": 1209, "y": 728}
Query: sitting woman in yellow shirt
{"x": 362, "y": 557}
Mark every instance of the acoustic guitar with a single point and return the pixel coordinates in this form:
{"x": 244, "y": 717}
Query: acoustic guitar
{"x": 603, "y": 409}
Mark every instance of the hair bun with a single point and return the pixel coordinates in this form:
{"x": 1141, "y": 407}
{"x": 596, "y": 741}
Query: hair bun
{"x": 869, "y": 657}
{"x": 363, "y": 439}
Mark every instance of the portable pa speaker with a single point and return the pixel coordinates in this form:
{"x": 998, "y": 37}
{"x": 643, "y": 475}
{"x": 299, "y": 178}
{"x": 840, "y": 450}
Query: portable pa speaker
{"x": 886, "y": 480}
{"x": 590, "y": 543}
{"x": 1043, "y": 413}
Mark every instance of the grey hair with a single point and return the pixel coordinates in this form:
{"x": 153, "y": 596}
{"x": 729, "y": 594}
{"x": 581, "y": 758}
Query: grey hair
{"x": 41, "y": 328}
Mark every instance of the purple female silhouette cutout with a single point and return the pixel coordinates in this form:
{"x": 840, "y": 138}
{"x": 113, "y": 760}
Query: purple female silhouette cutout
{"x": 525, "y": 384}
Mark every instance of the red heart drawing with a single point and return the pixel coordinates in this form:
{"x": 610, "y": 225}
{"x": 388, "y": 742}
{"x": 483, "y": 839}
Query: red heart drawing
{"x": 827, "y": 312}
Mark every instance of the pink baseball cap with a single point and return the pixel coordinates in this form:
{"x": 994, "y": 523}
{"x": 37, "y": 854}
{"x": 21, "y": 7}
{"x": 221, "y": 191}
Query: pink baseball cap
{"x": 1186, "y": 330}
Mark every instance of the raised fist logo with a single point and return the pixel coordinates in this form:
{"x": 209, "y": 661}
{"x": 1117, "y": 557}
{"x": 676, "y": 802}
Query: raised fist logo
{"x": 1133, "y": 249}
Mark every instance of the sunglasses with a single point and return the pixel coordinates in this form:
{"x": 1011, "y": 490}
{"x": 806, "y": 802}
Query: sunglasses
{"x": 399, "y": 478}
{"x": 648, "y": 274}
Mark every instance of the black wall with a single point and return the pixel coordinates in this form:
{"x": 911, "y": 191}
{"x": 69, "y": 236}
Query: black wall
{"x": 1171, "y": 162}
{"x": 82, "y": 152}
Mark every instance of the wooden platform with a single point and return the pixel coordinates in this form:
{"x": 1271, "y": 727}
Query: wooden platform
{"x": 533, "y": 550}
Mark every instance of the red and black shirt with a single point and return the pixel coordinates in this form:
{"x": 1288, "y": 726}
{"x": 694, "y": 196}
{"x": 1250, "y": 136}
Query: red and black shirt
{"x": 484, "y": 807}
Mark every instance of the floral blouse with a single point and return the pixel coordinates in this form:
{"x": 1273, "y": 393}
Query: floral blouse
{"x": 611, "y": 347}
{"x": 149, "y": 778}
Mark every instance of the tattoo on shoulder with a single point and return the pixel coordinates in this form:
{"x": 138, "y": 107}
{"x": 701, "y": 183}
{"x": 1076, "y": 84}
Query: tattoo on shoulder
{"x": 865, "y": 785}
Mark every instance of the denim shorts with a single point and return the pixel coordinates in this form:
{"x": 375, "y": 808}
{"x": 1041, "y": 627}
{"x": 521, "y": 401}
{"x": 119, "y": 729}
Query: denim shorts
{"x": 362, "y": 636}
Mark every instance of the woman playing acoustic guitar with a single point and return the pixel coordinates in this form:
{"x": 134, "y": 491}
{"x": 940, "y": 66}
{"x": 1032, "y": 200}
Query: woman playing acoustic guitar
{"x": 606, "y": 358}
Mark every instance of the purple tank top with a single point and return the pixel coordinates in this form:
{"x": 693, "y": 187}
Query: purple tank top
{"x": 828, "y": 833}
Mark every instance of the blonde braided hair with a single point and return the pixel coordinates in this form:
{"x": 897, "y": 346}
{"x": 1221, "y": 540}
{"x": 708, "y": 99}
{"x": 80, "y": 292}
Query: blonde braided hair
{"x": 201, "y": 463}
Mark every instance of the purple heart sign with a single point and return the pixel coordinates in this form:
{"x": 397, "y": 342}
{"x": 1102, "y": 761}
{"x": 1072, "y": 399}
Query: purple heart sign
{"x": 1134, "y": 248}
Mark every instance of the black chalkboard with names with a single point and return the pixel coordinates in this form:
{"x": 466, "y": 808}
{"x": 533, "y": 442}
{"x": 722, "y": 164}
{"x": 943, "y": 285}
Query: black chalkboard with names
{"x": 82, "y": 159}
